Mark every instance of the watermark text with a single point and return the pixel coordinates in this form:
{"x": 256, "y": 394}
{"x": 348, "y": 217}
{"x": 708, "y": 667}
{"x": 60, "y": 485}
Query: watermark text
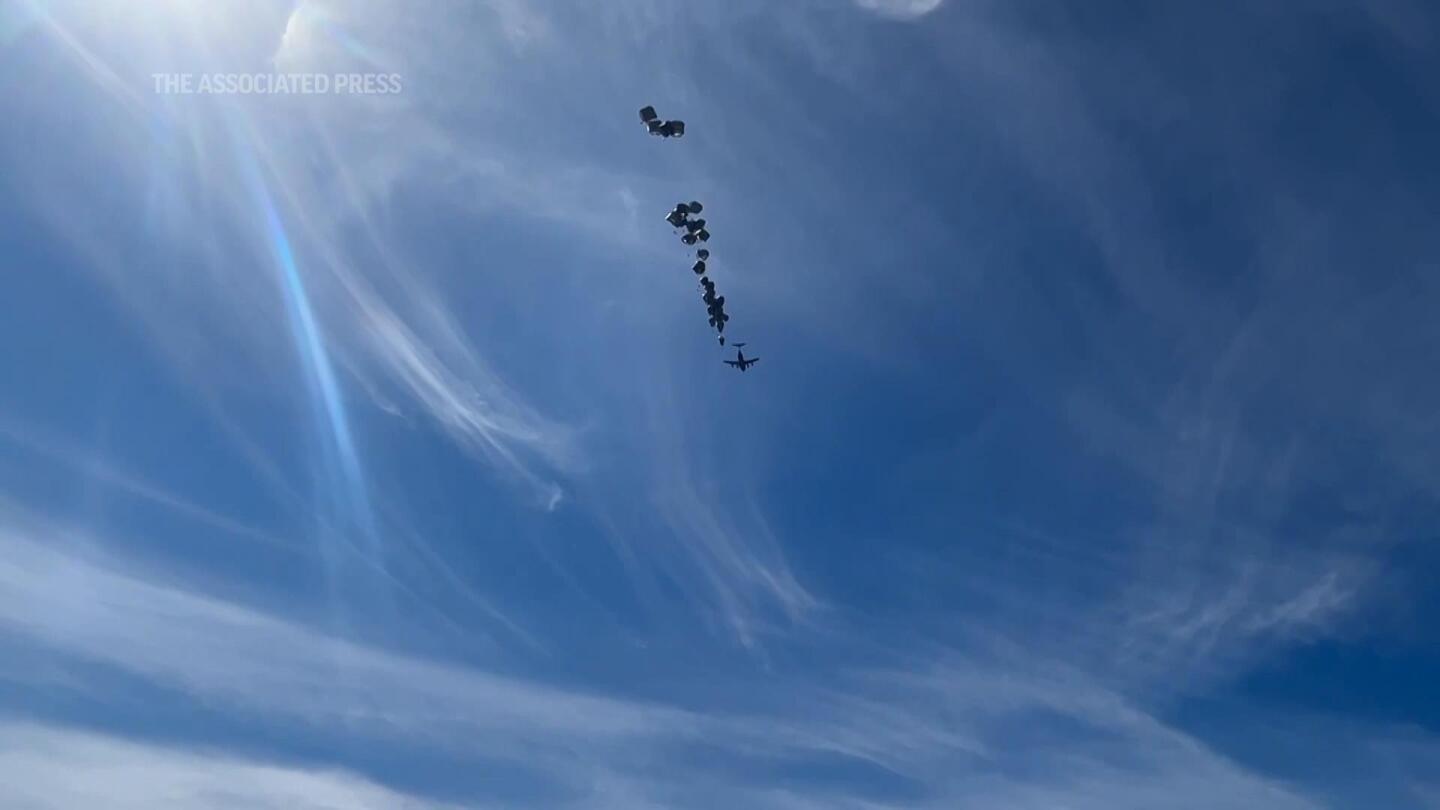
{"x": 278, "y": 84}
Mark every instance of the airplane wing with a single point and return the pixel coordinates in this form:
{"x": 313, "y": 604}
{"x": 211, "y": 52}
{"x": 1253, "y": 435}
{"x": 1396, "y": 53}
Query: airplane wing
{"x": 735, "y": 363}
{"x": 750, "y": 361}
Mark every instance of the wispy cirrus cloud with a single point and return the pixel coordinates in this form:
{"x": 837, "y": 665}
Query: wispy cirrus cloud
{"x": 971, "y": 727}
{"x": 1200, "y": 409}
{"x": 214, "y": 155}
{"x": 50, "y": 768}
{"x": 900, "y": 9}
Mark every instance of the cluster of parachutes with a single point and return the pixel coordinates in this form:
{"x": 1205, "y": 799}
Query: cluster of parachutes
{"x": 665, "y": 129}
{"x": 685, "y": 217}
{"x": 680, "y": 218}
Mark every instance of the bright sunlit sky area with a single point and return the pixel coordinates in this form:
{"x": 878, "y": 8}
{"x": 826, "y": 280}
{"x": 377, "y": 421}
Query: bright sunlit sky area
{"x": 372, "y": 450}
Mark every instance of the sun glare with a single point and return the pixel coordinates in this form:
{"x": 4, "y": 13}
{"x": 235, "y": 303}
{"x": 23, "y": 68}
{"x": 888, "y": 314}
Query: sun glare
{"x": 297, "y": 30}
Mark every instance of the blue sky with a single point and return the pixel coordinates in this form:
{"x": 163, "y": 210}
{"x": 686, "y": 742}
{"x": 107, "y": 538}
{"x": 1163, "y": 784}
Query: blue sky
{"x": 373, "y": 451}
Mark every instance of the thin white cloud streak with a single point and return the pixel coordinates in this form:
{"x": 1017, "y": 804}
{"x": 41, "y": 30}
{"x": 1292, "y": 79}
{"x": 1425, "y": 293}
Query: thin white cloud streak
{"x": 1211, "y": 613}
{"x": 900, "y": 9}
{"x": 96, "y": 69}
{"x": 95, "y": 469}
{"x": 454, "y": 400}
{"x": 977, "y": 733}
{"x": 738, "y": 564}
{"x": 701, "y": 530}
{"x": 1311, "y": 607}
{"x": 53, "y": 768}
{"x": 32, "y": 438}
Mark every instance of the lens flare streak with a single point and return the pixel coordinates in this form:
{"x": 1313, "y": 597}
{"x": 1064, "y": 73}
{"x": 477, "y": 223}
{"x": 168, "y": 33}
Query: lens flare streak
{"x": 320, "y": 373}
